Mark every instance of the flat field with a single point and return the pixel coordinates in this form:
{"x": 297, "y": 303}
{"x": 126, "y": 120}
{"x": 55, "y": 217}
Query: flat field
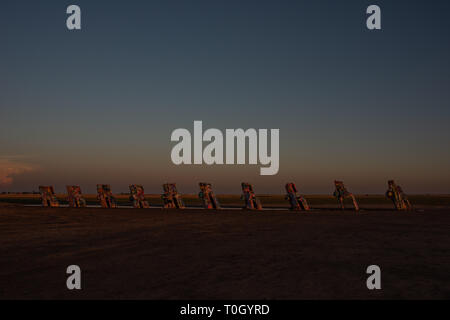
{"x": 226, "y": 254}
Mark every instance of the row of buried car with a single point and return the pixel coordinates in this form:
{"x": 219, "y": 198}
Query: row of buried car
{"x": 172, "y": 199}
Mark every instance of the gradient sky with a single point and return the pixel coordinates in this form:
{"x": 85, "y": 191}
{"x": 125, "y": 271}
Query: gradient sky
{"x": 99, "y": 105}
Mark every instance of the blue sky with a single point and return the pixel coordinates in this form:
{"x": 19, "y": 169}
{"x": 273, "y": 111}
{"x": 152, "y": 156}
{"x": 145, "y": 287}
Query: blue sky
{"x": 99, "y": 105}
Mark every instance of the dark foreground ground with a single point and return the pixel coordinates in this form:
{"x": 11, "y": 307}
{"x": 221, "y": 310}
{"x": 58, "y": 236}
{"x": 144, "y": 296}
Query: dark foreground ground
{"x": 231, "y": 254}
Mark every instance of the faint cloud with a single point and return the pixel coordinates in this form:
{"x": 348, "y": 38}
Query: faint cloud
{"x": 11, "y": 167}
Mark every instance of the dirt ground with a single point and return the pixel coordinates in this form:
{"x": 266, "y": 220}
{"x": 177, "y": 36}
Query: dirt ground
{"x": 227, "y": 254}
